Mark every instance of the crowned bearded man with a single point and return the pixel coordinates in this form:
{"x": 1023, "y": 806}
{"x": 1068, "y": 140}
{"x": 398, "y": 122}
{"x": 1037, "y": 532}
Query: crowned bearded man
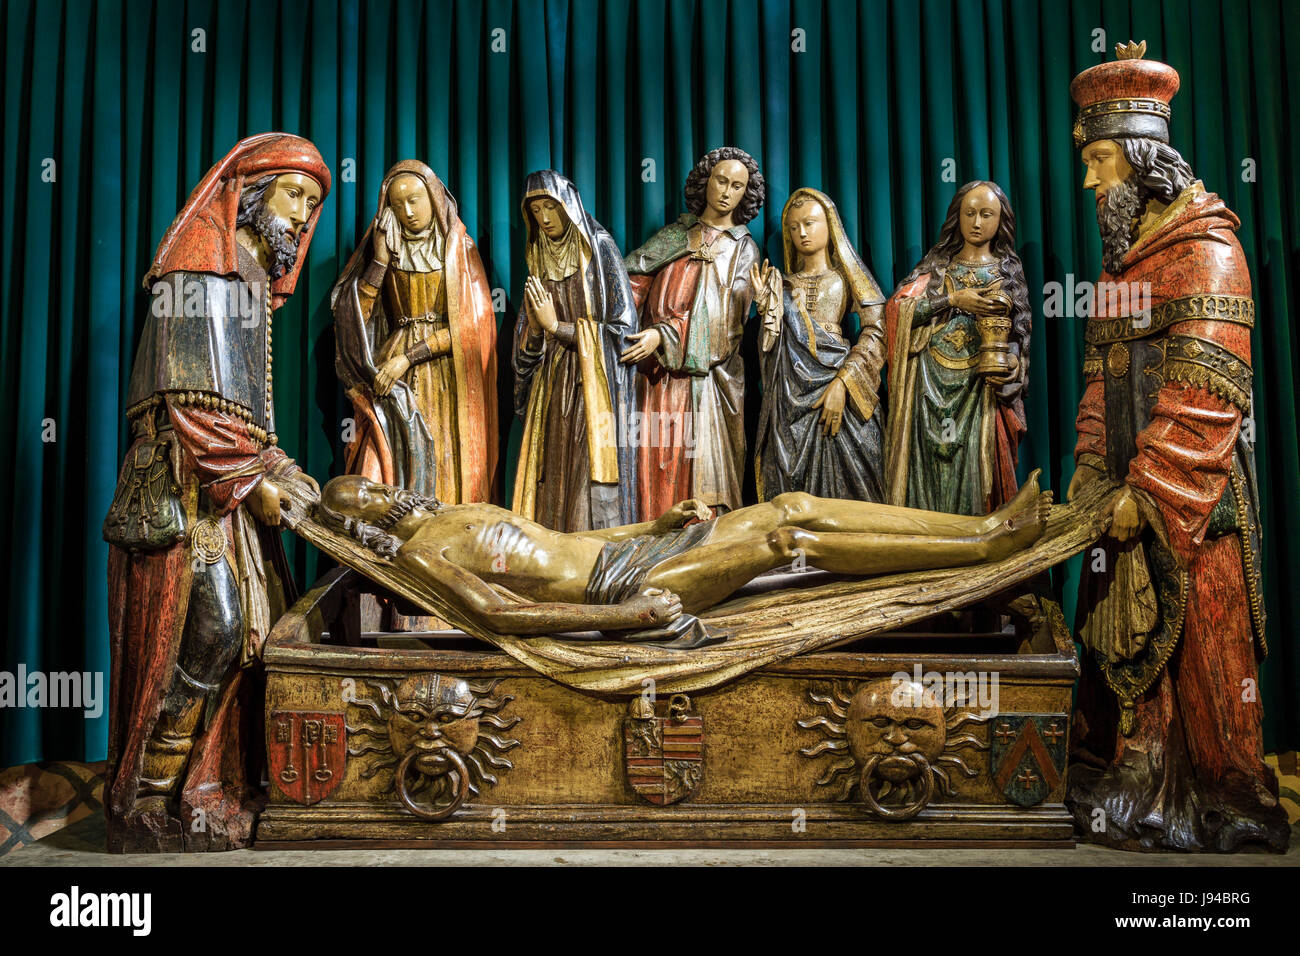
{"x": 1168, "y": 741}
{"x": 196, "y": 563}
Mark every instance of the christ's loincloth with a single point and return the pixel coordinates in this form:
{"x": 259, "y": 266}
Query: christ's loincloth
{"x": 620, "y": 572}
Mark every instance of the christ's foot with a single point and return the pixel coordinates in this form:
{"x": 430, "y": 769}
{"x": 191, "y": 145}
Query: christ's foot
{"x": 1022, "y": 499}
{"x": 1022, "y": 528}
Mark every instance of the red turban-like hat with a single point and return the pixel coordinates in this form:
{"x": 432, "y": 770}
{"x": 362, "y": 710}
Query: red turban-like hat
{"x": 202, "y": 236}
{"x": 1125, "y": 98}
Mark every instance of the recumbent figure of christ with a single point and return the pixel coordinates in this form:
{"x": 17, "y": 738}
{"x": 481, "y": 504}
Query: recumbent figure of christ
{"x": 646, "y": 581}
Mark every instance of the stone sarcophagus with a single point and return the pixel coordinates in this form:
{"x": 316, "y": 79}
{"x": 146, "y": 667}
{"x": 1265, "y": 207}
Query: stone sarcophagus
{"x": 922, "y": 735}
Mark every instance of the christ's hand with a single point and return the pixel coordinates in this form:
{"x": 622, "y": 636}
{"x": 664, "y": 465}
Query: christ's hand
{"x": 682, "y": 512}
{"x": 653, "y": 607}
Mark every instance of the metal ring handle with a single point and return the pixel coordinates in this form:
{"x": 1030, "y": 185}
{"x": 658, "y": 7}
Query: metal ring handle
{"x": 907, "y": 811}
{"x": 457, "y": 770}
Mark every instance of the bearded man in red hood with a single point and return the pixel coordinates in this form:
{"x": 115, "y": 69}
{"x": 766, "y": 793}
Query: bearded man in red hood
{"x": 1168, "y": 745}
{"x": 196, "y": 564}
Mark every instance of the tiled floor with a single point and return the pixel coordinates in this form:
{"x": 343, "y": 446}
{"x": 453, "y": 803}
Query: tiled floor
{"x": 52, "y": 815}
{"x": 37, "y": 799}
{"x": 1288, "y": 779}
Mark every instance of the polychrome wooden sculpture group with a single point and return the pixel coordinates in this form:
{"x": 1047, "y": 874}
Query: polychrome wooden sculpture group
{"x": 880, "y": 463}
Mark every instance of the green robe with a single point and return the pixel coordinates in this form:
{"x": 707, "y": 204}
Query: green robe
{"x": 952, "y": 408}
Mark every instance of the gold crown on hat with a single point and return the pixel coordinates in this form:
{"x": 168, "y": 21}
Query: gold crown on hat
{"x": 1126, "y": 97}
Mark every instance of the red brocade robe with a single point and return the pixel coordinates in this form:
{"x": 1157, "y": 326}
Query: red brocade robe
{"x": 146, "y": 620}
{"x": 220, "y": 451}
{"x": 692, "y": 393}
{"x": 1184, "y": 750}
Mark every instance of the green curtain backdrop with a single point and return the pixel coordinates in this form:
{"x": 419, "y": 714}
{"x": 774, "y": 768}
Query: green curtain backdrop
{"x": 113, "y": 110}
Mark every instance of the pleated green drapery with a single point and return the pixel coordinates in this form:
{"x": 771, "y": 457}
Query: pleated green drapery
{"x": 113, "y": 110}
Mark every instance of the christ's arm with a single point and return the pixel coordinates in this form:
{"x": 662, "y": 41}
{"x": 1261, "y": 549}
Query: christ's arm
{"x": 623, "y": 531}
{"x": 672, "y": 519}
{"x": 472, "y": 596}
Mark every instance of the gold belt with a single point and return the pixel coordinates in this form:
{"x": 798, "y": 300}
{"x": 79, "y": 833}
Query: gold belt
{"x": 1236, "y": 309}
{"x": 434, "y": 319}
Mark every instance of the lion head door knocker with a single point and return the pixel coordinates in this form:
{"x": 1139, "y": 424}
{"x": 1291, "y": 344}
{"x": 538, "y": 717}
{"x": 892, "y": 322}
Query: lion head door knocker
{"x": 664, "y": 748}
{"x": 429, "y": 730}
{"x": 899, "y": 740}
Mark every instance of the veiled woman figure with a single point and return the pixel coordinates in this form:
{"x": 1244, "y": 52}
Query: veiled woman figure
{"x": 820, "y": 428}
{"x": 416, "y": 345}
{"x": 954, "y": 426}
{"x": 577, "y": 469}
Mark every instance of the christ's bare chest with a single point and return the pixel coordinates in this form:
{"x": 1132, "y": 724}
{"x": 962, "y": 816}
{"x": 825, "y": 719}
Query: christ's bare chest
{"x": 494, "y": 545}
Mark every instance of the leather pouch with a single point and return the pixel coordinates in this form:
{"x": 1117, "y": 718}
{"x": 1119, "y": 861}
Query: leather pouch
{"x": 147, "y": 513}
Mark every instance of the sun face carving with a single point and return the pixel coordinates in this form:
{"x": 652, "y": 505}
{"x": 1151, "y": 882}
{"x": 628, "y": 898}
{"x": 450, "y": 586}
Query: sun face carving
{"x": 428, "y": 730}
{"x": 893, "y": 744}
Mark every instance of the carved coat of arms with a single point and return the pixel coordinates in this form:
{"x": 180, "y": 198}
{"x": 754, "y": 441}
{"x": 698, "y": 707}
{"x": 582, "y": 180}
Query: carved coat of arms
{"x": 664, "y": 748}
{"x": 306, "y": 751}
{"x": 1027, "y": 755}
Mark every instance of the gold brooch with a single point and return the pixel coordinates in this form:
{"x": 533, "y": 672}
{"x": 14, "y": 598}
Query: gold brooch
{"x": 208, "y": 541}
{"x": 957, "y": 338}
{"x": 1117, "y": 360}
